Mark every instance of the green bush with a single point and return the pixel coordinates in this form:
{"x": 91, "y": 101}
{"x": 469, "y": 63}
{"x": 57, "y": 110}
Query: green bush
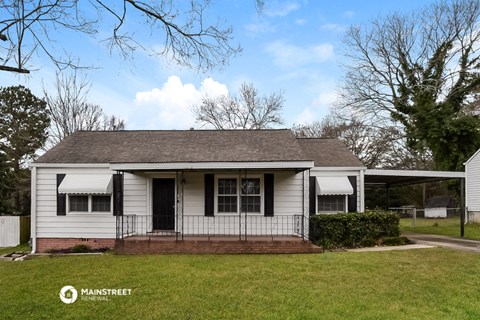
{"x": 81, "y": 248}
{"x": 353, "y": 229}
{"x": 395, "y": 241}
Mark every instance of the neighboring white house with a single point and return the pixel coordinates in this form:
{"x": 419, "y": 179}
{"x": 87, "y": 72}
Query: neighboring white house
{"x": 97, "y": 187}
{"x": 472, "y": 187}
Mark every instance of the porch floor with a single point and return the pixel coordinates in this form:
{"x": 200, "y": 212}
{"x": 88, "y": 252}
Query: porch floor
{"x": 214, "y": 245}
{"x": 214, "y": 238}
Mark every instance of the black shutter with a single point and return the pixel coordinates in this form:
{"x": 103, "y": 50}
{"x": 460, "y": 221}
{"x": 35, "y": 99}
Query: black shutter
{"x": 118, "y": 194}
{"x": 352, "y": 198}
{"x": 269, "y": 190}
{"x": 312, "y": 186}
{"x": 209, "y": 194}
{"x": 61, "y": 198}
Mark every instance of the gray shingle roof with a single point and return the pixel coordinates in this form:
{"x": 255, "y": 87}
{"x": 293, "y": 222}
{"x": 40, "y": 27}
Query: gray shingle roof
{"x": 328, "y": 153}
{"x": 175, "y": 146}
{"x": 170, "y": 146}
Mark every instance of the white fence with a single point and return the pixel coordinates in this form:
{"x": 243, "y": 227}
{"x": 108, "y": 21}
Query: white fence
{"x": 14, "y": 230}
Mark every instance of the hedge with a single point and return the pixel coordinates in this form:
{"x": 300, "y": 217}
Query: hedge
{"x": 353, "y": 229}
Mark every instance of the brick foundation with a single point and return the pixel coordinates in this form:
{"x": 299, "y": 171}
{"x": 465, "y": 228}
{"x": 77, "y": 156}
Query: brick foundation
{"x": 43, "y": 244}
{"x": 213, "y": 247}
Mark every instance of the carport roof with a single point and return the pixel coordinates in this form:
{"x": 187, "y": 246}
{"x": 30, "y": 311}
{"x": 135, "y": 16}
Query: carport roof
{"x": 395, "y": 178}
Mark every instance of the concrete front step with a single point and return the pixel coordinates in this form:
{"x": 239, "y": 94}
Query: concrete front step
{"x": 213, "y": 247}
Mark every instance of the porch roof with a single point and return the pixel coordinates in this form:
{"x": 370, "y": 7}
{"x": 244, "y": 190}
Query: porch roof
{"x": 264, "y": 165}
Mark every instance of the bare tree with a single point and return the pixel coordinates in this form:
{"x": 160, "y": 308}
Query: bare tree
{"x": 247, "y": 111}
{"x": 375, "y": 147}
{"x": 29, "y": 27}
{"x": 420, "y": 70}
{"x": 70, "y": 110}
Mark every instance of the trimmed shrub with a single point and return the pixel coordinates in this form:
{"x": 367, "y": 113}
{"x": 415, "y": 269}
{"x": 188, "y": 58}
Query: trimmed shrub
{"x": 81, "y": 248}
{"x": 353, "y": 229}
{"x": 395, "y": 241}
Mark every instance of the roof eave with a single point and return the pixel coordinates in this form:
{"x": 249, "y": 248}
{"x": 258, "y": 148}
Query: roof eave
{"x": 212, "y": 165}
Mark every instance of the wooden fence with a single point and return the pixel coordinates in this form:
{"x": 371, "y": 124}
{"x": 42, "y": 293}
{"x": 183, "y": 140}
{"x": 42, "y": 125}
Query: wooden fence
{"x": 14, "y": 230}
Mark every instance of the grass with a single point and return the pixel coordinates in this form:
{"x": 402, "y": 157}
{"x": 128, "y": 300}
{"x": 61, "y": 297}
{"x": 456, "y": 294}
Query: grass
{"x": 23, "y": 247}
{"x": 415, "y": 284}
{"x": 447, "y": 227}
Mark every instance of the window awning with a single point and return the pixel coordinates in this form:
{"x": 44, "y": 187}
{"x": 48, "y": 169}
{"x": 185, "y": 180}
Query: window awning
{"x": 333, "y": 185}
{"x": 86, "y": 184}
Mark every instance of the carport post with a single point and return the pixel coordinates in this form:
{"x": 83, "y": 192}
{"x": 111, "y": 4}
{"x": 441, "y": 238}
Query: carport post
{"x": 414, "y": 221}
{"x": 462, "y": 207}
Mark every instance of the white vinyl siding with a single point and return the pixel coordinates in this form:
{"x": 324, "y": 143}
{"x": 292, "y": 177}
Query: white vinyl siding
{"x": 288, "y": 193}
{"x": 318, "y": 172}
{"x": 472, "y": 183}
{"x": 135, "y": 193}
{"x": 193, "y": 193}
{"x": 288, "y": 201}
{"x": 86, "y": 225}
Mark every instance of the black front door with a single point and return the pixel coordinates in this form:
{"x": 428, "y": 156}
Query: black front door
{"x": 163, "y": 204}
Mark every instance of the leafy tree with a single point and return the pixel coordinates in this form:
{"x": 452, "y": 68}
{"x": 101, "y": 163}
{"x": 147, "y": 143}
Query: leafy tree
{"x": 247, "y": 111}
{"x": 183, "y": 29}
{"x": 70, "y": 110}
{"x": 24, "y": 121}
{"x": 6, "y": 185}
{"x": 420, "y": 70}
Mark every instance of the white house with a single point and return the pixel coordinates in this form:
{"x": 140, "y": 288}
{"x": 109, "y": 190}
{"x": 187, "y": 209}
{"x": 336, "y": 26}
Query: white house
{"x": 97, "y": 188}
{"x": 472, "y": 187}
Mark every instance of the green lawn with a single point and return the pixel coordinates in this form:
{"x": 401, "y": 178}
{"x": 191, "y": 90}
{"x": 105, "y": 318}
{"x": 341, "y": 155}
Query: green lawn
{"x": 23, "y": 247}
{"x": 415, "y": 284}
{"x": 446, "y": 227}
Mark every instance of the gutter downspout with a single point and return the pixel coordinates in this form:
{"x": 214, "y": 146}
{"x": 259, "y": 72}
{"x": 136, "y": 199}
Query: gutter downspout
{"x": 33, "y": 210}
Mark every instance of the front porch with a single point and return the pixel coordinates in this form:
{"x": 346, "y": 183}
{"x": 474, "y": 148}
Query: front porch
{"x": 213, "y": 245}
{"x": 139, "y": 234}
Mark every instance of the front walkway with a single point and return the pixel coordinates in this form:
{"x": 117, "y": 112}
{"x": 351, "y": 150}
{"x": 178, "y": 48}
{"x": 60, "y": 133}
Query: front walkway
{"x": 444, "y": 241}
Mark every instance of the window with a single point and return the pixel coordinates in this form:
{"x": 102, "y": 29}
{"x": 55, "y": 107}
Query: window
{"x": 79, "y": 203}
{"x": 250, "y": 196}
{"x": 331, "y": 204}
{"x": 239, "y": 194}
{"x": 89, "y": 203}
{"x": 101, "y": 203}
{"x": 227, "y": 195}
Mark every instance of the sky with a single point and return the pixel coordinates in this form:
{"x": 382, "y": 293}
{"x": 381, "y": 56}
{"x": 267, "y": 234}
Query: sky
{"x": 294, "y": 47}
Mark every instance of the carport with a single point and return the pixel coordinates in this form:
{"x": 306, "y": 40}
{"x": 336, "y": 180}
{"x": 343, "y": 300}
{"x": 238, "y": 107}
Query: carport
{"x": 395, "y": 178}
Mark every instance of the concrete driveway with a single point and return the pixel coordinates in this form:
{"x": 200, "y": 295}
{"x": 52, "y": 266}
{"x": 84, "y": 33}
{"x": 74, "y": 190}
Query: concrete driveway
{"x": 444, "y": 242}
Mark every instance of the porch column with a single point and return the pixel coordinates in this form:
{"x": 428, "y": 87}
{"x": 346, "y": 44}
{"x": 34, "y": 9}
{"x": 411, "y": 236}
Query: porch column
{"x": 179, "y": 205}
{"x": 306, "y": 203}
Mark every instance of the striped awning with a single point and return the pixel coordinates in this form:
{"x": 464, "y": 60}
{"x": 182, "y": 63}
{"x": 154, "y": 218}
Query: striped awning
{"x": 86, "y": 184}
{"x": 334, "y": 186}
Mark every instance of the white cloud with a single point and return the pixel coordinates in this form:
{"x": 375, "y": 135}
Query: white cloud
{"x": 349, "y": 14}
{"x": 301, "y": 22}
{"x": 169, "y": 107}
{"x": 259, "y": 27}
{"x": 289, "y": 55}
{"x": 333, "y": 27}
{"x": 325, "y": 99}
{"x": 305, "y": 116}
{"x": 276, "y": 9}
